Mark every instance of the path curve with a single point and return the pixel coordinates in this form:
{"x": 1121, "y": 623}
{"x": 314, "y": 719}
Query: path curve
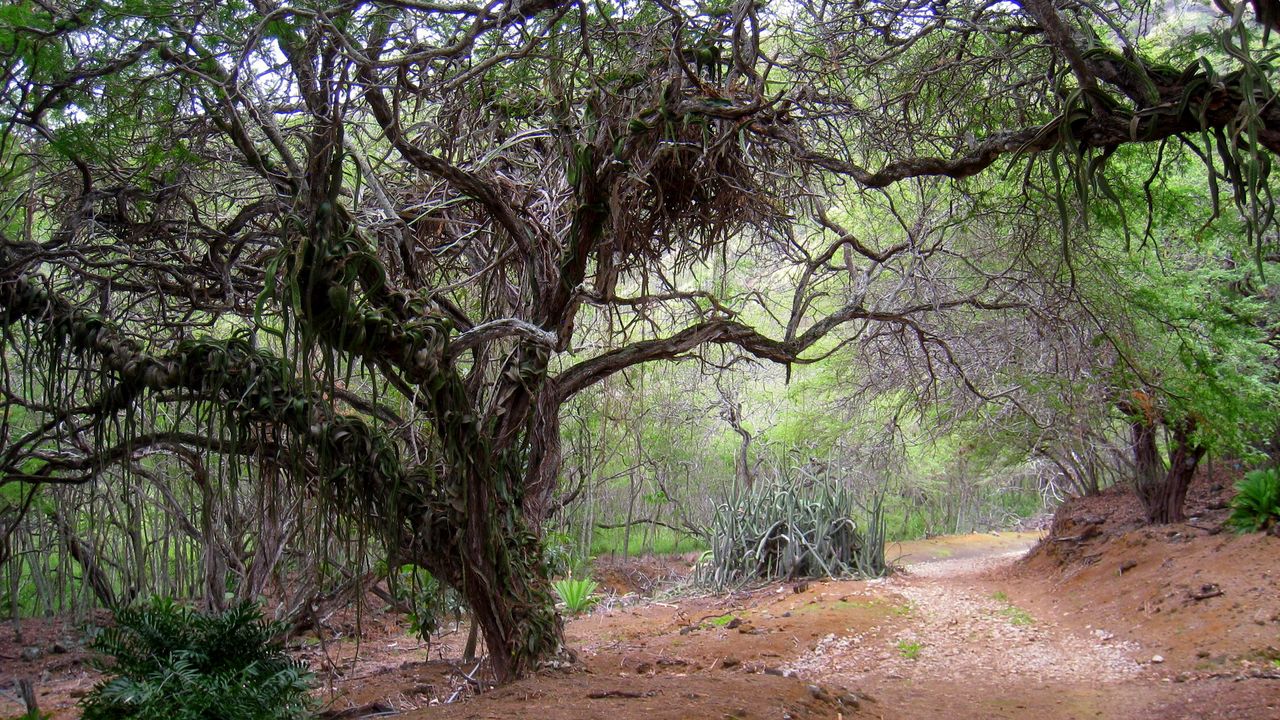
{"x": 955, "y": 624}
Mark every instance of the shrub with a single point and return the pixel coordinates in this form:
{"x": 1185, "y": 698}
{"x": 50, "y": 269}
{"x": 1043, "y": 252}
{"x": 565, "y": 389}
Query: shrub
{"x": 791, "y": 530}
{"x": 173, "y": 663}
{"x": 1256, "y": 505}
{"x": 427, "y": 601}
{"x": 576, "y": 594}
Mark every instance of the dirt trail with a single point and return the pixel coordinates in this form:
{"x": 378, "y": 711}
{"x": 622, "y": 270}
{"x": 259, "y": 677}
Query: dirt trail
{"x": 972, "y": 638}
{"x": 954, "y": 627}
{"x": 961, "y": 646}
{"x": 963, "y": 632}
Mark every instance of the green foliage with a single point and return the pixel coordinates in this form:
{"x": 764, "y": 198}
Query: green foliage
{"x": 910, "y": 649}
{"x": 1017, "y": 616}
{"x": 561, "y": 556}
{"x": 1256, "y": 505}
{"x": 662, "y": 541}
{"x": 173, "y": 663}
{"x": 792, "y": 530}
{"x": 576, "y": 593}
{"x": 429, "y": 601}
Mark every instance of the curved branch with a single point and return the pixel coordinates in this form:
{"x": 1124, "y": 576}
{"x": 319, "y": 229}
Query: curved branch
{"x": 731, "y": 332}
{"x": 502, "y": 327}
{"x": 1201, "y": 106}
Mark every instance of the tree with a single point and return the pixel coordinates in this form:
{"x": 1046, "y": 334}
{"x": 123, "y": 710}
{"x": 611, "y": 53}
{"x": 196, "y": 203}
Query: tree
{"x": 376, "y": 246}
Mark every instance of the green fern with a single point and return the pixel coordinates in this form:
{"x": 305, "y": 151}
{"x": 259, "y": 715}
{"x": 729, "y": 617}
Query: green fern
{"x": 1256, "y": 505}
{"x": 173, "y": 663}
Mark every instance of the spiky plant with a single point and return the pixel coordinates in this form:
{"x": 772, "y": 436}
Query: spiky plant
{"x": 173, "y": 663}
{"x": 791, "y": 530}
{"x": 576, "y": 593}
{"x": 1256, "y": 505}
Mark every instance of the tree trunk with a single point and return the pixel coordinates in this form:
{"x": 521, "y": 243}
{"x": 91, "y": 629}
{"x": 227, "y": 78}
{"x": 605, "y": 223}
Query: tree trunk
{"x": 1163, "y": 490}
{"x": 496, "y": 562}
{"x": 506, "y": 586}
{"x": 86, "y": 555}
{"x": 732, "y": 413}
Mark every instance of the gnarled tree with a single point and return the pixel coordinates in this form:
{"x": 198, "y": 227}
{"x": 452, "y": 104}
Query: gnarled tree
{"x": 375, "y": 246}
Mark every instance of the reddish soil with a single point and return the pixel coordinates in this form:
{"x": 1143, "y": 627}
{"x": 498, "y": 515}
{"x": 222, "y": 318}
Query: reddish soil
{"x": 967, "y": 630}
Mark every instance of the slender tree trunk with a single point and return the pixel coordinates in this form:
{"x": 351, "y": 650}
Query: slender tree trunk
{"x": 631, "y": 507}
{"x": 87, "y": 557}
{"x": 473, "y": 639}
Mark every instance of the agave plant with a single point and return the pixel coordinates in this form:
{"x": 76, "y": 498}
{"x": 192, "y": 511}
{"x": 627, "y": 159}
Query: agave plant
{"x": 793, "y": 530}
{"x": 576, "y": 593}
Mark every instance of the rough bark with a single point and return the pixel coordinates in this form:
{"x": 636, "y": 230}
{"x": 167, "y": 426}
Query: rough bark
{"x": 1162, "y": 487}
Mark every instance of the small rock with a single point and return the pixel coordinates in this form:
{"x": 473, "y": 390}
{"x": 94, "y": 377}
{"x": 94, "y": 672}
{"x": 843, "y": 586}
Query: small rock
{"x": 818, "y": 693}
{"x": 849, "y": 700}
{"x": 1157, "y": 659}
{"x": 1128, "y": 565}
{"x": 31, "y": 654}
{"x": 1202, "y": 653}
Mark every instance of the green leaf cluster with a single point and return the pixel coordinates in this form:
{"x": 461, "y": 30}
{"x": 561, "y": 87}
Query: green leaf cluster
{"x": 1256, "y": 505}
{"x": 576, "y": 593}
{"x": 173, "y": 663}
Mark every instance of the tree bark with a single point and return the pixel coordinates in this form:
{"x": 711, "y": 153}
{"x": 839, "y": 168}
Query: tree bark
{"x": 505, "y": 582}
{"x": 1163, "y": 489}
{"x": 87, "y": 557}
{"x": 473, "y": 534}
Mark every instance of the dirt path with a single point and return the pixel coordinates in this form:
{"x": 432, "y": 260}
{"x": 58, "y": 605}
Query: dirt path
{"x": 960, "y": 645}
{"x": 960, "y": 634}
{"x": 954, "y": 627}
{"x": 970, "y": 641}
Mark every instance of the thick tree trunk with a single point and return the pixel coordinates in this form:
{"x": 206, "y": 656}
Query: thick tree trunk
{"x": 493, "y": 556}
{"x": 508, "y": 590}
{"x": 519, "y": 621}
{"x": 1163, "y": 489}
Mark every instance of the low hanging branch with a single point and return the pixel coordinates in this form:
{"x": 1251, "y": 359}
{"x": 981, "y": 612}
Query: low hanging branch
{"x": 250, "y": 386}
